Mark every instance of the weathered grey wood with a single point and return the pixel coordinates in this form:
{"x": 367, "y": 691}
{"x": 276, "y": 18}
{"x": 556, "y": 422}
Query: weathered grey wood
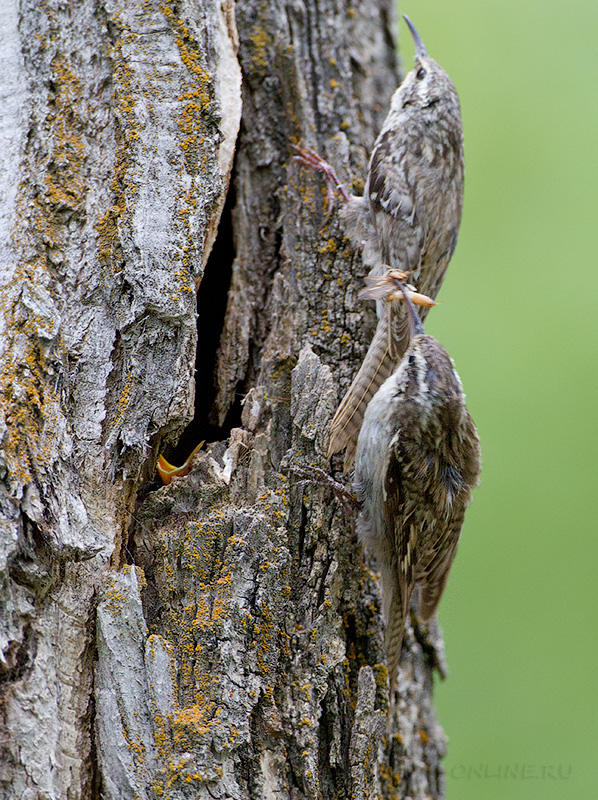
{"x": 118, "y": 127}
{"x": 220, "y": 637}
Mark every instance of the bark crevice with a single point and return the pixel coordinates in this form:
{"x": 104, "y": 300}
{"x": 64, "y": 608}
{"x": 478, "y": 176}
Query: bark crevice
{"x": 212, "y": 297}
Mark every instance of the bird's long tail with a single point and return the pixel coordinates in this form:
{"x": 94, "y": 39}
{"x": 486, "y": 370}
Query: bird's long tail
{"x": 386, "y": 349}
{"x": 395, "y": 629}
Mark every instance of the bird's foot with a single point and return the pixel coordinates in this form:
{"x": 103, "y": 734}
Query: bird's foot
{"x": 333, "y": 183}
{"x": 309, "y": 474}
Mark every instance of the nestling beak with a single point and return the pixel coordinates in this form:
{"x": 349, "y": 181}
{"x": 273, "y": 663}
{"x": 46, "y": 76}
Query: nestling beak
{"x": 167, "y": 472}
{"x": 420, "y": 47}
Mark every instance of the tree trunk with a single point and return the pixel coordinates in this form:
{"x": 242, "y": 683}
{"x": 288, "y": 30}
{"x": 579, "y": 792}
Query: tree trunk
{"x": 219, "y": 637}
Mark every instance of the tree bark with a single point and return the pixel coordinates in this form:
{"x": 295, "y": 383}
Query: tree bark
{"x": 219, "y": 637}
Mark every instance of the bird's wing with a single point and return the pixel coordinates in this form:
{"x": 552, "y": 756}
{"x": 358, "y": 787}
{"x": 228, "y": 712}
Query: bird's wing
{"x": 391, "y": 194}
{"x": 434, "y": 572}
{"x": 441, "y": 546}
{"x": 400, "y": 525}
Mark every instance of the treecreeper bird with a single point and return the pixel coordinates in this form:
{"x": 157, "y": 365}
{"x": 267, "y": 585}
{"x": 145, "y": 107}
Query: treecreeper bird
{"x": 418, "y": 459}
{"x": 408, "y": 217}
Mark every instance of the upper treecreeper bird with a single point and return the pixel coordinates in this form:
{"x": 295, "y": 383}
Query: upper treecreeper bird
{"x": 418, "y": 459}
{"x": 408, "y": 217}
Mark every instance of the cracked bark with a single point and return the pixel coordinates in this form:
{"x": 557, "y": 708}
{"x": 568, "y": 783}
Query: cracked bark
{"x": 220, "y": 637}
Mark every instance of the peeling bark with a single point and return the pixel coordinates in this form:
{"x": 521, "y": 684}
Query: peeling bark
{"x": 220, "y": 637}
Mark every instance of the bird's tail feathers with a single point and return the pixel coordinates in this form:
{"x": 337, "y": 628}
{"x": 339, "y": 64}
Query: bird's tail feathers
{"x": 377, "y": 366}
{"x": 395, "y": 629}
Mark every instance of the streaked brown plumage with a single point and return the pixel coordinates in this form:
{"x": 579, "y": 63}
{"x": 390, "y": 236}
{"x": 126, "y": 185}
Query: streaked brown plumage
{"x": 408, "y": 218}
{"x": 418, "y": 458}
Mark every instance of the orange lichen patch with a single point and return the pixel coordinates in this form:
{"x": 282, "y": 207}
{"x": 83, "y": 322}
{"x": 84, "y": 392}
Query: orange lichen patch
{"x": 197, "y": 567}
{"x": 22, "y": 401}
{"x": 109, "y": 248}
{"x": 161, "y": 727}
{"x": 193, "y": 721}
{"x": 139, "y": 574}
{"x": 328, "y": 248}
{"x": 205, "y": 612}
{"x": 134, "y": 742}
{"x": 195, "y": 112}
{"x": 122, "y": 186}
{"x": 389, "y": 778}
{"x": 381, "y": 675}
{"x": 260, "y": 41}
{"x": 358, "y": 185}
{"x": 264, "y": 639}
{"x": 64, "y": 184}
{"x": 183, "y": 770}
{"x": 198, "y": 87}
{"x": 167, "y": 471}
{"x": 114, "y": 598}
{"x": 124, "y": 400}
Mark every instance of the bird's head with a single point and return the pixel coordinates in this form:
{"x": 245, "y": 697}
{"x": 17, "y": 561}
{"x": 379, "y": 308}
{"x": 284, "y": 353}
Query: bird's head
{"x": 427, "y": 87}
{"x": 428, "y": 371}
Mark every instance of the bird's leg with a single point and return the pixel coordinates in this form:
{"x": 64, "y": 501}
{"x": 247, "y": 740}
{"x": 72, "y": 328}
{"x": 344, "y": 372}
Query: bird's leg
{"x": 309, "y": 474}
{"x": 333, "y": 183}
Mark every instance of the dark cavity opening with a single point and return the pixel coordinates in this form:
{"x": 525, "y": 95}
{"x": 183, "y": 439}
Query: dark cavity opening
{"x": 211, "y": 309}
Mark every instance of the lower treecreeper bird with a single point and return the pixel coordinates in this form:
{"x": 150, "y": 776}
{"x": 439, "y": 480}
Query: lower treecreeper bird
{"x": 418, "y": 459}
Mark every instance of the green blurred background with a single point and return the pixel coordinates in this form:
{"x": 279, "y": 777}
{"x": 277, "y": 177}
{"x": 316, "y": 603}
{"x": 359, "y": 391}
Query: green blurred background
{"x": 520, "y": 706}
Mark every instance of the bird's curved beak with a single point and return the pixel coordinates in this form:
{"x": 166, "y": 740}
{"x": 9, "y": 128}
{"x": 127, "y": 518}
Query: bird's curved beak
{"x": 415, "y": 322}
{"x": 420, "y": 47}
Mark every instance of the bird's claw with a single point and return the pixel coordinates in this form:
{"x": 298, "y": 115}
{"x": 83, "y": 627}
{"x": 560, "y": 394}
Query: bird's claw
{"x": 311, "y": 159}
{"x": 309, "y": 474}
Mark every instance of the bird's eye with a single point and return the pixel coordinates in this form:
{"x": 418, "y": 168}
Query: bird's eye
{"x": 420, "y": 73}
